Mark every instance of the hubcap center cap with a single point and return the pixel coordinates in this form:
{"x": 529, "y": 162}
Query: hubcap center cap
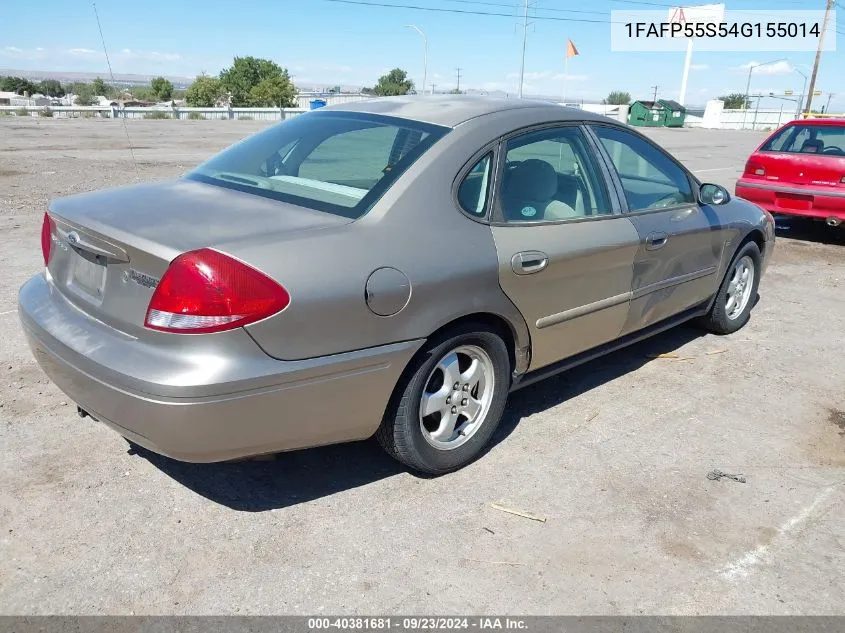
{"x": 459, "y": 398}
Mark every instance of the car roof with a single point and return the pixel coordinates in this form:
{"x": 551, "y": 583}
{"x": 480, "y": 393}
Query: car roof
{"x": 833, "y": 121}
{"x": 451, "y": 110}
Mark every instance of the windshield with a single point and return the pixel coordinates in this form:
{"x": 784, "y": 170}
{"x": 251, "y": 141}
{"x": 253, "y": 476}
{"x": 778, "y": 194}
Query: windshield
{"x": 825, "y": 140}
{"x": 336, "y": 162}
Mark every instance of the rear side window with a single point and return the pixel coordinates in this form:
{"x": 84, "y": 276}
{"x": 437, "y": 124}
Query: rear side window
{"x": 336, "y": 162}
{"x": 472, "y": 194}
{"x": 827, "y": 140}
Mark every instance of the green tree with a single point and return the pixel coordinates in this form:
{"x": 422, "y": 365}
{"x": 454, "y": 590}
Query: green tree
{"x": 162, "y": 88}
{"x": 100, "y": 87}
{"x": 85, "y": 94}
{"x": 734, "y": 101}
{"x": 143, "y": 93}
{"x": 395, "y": 82}
{"x": 204, "y": 92}
{"x": 275, "y": 91}
{"x": 617, "y": 97}
{"x": 246, "y": 73}
{"x": 18, "y": 85}
{"x": 51, "y": 88}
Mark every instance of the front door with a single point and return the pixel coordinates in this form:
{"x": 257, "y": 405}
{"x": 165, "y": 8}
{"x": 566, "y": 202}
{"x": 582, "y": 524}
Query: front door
{"x": 681, "y": 242}
{"x": 565, "y": 253}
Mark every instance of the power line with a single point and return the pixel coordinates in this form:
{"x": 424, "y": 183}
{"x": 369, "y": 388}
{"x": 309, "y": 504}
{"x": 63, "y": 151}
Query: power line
{"x": 534, "y": 16}
{"x": 371, "y": 3}
{"x": 512, "y": 6}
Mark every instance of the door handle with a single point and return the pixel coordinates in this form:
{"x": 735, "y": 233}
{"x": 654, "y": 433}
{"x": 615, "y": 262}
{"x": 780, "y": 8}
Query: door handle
{"x": 528, "y": 262}
{"x": 656, "y": 240}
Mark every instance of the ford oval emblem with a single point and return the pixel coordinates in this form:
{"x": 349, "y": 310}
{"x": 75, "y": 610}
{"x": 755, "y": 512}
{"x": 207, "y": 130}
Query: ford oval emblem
{"x": 73, "y": 237}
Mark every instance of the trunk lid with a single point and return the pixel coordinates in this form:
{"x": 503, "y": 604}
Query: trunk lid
{"x": 111, "y": 247}
{"x": 803, "y": 170}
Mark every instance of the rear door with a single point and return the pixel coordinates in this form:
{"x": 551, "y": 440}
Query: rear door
{"x": 680, "y": 241}
{"x": 565, "y": 252}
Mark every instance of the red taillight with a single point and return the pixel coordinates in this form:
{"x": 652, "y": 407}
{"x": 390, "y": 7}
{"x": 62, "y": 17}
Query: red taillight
{"x": 47, "y": 238}
{"x": 206, "y": 291}
{"x": 753, "y": 169}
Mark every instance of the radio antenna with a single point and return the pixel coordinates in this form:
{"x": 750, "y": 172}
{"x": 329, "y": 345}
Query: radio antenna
{"x": 111, "y": 74}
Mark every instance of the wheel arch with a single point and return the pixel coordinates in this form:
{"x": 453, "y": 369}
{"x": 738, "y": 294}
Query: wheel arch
{"x": 752, "y": 235}
{"x": 489, "y": 321}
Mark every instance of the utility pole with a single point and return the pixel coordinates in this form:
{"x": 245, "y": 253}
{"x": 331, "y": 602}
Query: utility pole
{"x": 812, "y": 89}
{"x": 425, "y": 53}
{"x": 829, "y": 97}
{"x": 655, "y": 92}
{"x": 458, "y": 72}
{"x": 524, "y": 39}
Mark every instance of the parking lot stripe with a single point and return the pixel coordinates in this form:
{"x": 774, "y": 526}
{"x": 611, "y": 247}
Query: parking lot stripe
{"x": 742, "y": 565}
{"x": 699, "y": 171}
{"x": 8, "y": 312}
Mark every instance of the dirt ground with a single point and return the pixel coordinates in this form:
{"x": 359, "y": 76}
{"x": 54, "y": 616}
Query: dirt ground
{"x": 614, "y": 455}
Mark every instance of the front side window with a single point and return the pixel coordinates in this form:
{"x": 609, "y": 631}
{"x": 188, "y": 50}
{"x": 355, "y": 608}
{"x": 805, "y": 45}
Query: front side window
{"x": 551, "y": 175}
{"x": 650, "y": 178}
{"x": 336, "y": 162}
{"x": 826, "y": 140}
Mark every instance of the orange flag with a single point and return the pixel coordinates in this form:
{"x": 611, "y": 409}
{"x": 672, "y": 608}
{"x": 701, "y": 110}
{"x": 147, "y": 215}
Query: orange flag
{"x": 571, "y": 51}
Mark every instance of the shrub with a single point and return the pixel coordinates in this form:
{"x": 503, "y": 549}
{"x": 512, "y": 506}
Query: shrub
{"x": 196, "y": 116}
{"x": 46, "y": 112}
{"x": 22, "y": 112}
{"x": 157, "y": 114}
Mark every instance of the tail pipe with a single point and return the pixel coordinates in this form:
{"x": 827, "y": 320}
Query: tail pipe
{"x": 833, "y": 221}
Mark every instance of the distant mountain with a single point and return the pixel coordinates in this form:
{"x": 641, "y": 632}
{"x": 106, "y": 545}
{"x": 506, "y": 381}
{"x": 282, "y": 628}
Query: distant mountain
{"x": 122, "y": 79}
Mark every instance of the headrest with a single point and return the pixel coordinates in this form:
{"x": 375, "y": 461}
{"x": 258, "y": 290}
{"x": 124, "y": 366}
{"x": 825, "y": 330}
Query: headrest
{"x": 812, "y": 147}
{"x": 535, "y": 179}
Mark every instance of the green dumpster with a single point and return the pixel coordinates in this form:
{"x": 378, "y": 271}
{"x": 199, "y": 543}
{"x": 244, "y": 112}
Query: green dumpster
{"x": 646, "y": 114}
{"x": 674, "y": 113}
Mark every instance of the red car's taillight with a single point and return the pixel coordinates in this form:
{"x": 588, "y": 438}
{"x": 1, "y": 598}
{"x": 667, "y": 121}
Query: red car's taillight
{"x": 753, "y": 169}
{"x": 205, "y": 291}
{"x": 47, "y": 238}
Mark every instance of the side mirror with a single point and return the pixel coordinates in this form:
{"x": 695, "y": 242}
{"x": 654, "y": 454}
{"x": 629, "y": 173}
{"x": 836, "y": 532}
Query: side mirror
{"x": 713, "y": 194}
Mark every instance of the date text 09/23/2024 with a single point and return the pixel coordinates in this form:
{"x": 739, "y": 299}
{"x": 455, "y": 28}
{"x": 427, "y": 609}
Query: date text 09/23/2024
{"x": 416, "y": 623}
{"x": 723, "y": 30}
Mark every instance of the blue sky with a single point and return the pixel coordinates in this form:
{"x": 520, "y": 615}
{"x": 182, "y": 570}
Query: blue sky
{"x": 329, "y": 42}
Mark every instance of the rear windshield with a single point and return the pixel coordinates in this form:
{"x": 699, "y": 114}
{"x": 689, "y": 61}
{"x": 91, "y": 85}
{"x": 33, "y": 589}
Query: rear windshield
{"x": 825, "y": 140}
{"x": 337, "y": 162}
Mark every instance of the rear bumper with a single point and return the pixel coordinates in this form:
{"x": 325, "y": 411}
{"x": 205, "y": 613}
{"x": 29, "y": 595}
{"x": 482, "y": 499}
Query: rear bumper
{"x": 206, "y": 404}
{"x": 789, "y": 200}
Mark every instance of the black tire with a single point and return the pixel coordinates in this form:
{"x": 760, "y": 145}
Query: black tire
{"x": 400, "y": 433}
{"x": 717, "y": 320}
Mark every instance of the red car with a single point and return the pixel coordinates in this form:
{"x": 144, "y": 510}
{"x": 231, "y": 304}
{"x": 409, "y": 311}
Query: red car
{"x": 799, "y": 170}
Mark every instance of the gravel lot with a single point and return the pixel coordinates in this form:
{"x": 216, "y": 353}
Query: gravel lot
{"x": 614, "y": 454}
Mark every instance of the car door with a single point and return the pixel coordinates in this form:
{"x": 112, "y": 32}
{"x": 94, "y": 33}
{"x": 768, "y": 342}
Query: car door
{"x": 681, "y": 241}
{"x": 566, "y": 252}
